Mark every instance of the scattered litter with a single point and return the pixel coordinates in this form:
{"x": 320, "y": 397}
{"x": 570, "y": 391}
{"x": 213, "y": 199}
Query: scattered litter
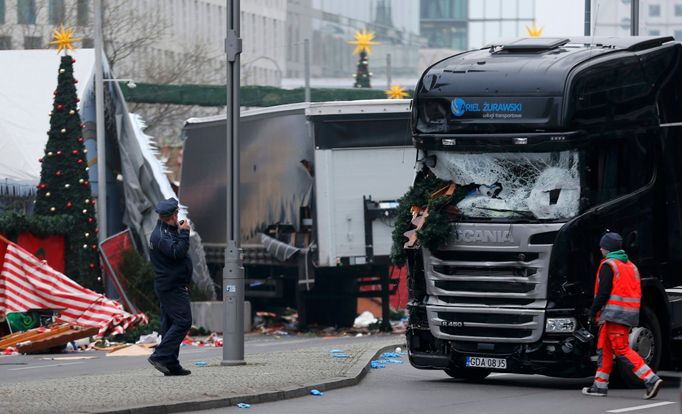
{"x": 376, "y": 365}
{"x": 398, "y": 350}
{"x": 244, "y": 405}
{"x": 10, "y": 351}
{"x": 152, "y": 339}
{"x": 358, "y": 335}
{"x": 316, "y": 393}
{"x": 365, "y": 319}
{"x": 335, "y": 351}
{"x": 131, "y": 350}
{"x": 200, "y": 363}
{"x": 69, "y": 358}
{"x": 390, "y": 355}
{"x": 388, "y": 361}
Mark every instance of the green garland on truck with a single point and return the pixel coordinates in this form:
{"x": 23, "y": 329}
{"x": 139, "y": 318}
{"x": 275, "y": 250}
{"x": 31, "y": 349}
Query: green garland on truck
{"x": 418, "y": 195}
{"x": 437, "y": 228}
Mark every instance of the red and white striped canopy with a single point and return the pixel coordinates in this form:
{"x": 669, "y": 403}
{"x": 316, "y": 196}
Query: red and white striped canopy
{"x": 26, "y": 283}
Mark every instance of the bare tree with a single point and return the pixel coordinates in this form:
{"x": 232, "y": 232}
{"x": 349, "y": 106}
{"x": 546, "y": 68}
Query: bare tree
{"x": 126, "y": 29}
{"x": 194, "y": 64}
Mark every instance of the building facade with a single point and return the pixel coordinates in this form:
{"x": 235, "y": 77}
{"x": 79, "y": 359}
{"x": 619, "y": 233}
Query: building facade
{"x": 468, "y": 24}
{"x": 331, "y": 24}
{"x": 656, "y": 18}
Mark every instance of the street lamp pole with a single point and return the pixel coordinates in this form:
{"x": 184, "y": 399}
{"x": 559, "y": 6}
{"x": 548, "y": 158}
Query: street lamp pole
{"x": 99, "y": 119}
{"x": 233, "y": 272}
{"x": 306, "y": 68}
{"x": 634, "y": 18}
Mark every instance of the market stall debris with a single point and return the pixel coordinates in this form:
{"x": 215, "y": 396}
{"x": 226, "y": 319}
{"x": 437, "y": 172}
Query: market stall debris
{"x": 26, "y": 283}
{"x": 40, "y": 339}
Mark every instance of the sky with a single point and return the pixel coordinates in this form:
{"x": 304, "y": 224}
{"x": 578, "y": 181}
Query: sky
{"x": 560, "y": 17}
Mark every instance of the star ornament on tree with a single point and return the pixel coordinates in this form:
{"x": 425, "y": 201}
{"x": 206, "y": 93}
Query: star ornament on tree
{"x": 396, "y": 92}
{"x": 534, "y": 31}
{"x": 63, "y": 38}
{"x": 363, "y": 42}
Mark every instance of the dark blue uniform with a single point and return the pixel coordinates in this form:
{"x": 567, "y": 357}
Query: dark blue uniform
{"x": 173, "y": 267}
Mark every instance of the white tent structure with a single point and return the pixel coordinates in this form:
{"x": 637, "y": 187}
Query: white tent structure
{"x": 135, "y": 177}
{"x": 27, "y": 80}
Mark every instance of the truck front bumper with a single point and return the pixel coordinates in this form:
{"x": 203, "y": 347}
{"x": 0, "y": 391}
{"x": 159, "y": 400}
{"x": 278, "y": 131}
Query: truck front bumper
{"x": 563, "y": 356}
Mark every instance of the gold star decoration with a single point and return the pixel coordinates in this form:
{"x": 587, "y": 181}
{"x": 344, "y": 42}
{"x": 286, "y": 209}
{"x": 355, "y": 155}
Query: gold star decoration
{"x": 64, "y": 39}
{"x": 534, "y": 31}
{"x": 396, "y": 92}
{"x": 363, "y": 42}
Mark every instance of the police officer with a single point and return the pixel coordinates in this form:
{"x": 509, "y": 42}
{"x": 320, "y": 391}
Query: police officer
{"x": 616, "y": 309}
{"x": 168, "y": 251}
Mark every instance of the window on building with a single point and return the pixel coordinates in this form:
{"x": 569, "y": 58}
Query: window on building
{"x": 654, "y": 32}
{"x": 83, "y": 12}
{"x": 5, "y": 42}
{"x": 444, "y": 9}
{"x": 88, "y": 43}
{"x": 655, "y": 10}
{"x": 26, "y": 11}
{"x": 678, "y": 10}
{"x": 56, "y": 11}
{"x": 2, "y": 11}
{"x": 678, "y": 35}
{"x": 33, "y": 42}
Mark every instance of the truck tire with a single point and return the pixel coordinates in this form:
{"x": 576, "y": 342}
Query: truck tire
{"x": 646, "y": 340}
{"x": 467, "y": 373}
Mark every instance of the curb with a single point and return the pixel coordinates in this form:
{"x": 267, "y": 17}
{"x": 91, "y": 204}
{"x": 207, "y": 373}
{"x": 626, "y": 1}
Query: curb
{"x": 257, "y": 398}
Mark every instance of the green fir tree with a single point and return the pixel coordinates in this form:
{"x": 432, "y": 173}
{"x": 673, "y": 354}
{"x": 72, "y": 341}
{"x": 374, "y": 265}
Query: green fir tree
{"x": 64, "y": 188}
{"x": 362, "y": 74}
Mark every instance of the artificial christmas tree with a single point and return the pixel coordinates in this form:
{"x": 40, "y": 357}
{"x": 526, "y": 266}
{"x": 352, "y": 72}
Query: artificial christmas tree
{"x": 363, "y": 47}
{"x": 64, "y": 189}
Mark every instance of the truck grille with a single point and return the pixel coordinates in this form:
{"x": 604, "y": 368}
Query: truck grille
{"x": 476, "y": 277}
{"x": 486, "y": 325}
{"x": 489, "y": 291}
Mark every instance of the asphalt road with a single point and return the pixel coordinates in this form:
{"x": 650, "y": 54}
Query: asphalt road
{"x": 27, "y": 367}
{"x": 399, "y": 389}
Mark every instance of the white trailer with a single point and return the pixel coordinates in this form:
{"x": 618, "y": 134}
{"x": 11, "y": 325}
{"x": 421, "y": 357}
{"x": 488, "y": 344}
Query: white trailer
{"x": 319, "y": 183}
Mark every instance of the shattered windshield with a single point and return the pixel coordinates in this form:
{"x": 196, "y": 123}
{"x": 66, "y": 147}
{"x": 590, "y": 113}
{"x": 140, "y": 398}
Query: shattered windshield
{"x": 542, "y": 186}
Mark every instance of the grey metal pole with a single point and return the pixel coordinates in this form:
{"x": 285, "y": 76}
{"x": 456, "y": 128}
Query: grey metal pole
{"x": 388, "y": 71}
{"x": 233, "y": 272}
{"x": 99, "y": 119}
{"x": 634, "y": 18}
{"x": 588, "y": 17}
{"x": 306, "y": 68}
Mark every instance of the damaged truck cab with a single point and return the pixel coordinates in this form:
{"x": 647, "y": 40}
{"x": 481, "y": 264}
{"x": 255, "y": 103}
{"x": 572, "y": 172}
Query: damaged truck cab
{"x": 556, "y": 140}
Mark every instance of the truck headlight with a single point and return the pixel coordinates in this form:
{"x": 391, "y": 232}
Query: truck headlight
{"x": 560, "y": 325}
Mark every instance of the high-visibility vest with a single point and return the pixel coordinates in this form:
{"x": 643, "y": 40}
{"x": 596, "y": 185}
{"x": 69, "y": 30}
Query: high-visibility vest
{"x": 626, "y": 293}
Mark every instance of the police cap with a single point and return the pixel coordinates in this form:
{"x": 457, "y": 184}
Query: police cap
{"x": 167, "y": 207}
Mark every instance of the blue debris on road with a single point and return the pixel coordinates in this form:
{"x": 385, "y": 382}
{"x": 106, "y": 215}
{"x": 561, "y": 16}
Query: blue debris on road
{"x": 390, "y": 355}
{"x": 316, "y": 393}
{"x": 388, "y": 361}
{"x": 200, "y": 363}
{"x": 341, "y": 356}
{"x": 244, "y": 405}
{"x": 377, "y": 365}
{"x": 336, "y": 351}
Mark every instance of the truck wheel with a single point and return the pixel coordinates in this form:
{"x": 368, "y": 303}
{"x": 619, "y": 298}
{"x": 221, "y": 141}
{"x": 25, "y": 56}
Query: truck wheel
{"x": 646, "y": 340}
{"x": 467, "y": 373}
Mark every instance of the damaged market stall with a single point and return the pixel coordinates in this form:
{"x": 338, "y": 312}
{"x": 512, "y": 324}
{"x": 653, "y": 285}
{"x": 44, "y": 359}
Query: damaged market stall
{"x": 27, "y": 282}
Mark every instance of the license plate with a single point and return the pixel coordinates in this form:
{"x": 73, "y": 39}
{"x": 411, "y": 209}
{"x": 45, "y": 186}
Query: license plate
{"x": 481, "y": 362}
